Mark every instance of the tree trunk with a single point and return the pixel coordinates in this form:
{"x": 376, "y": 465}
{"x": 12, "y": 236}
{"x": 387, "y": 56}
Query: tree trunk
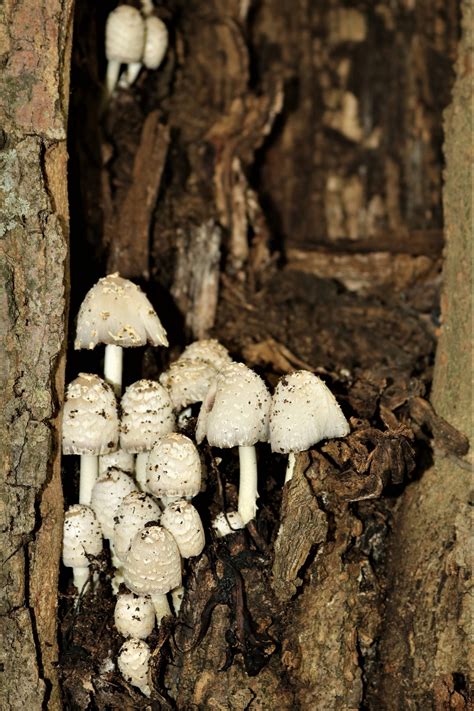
{"x": 35, "y": 92}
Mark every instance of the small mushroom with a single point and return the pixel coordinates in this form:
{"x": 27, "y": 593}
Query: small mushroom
{"x": 303, "y": 412}
{"x": 227, "y": 522}
{"x": 174, "y": 468}
{"x": 209, "y": 350}
{"x": 147, "y": 415}
{"x": 124, "y": 41}
{"x": 117, "y": 312}
{"x": 235, "y": 414}
{"x": 134, "y": 513}
{"x": 134, "y": 615}
{"x": 118, "y": 460}
{"x": 90, "y": 426}
{"x": 82, "y": 539}
{"x": 188, "y": 381}
{"x": 182, "y": 520}
{"x": 134, "y": 661}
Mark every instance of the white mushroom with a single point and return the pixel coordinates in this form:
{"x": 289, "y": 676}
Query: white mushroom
{"x": 188, "y": 381}
{"x": 135, "y": 511}
{"x": 90, "y": 426}
{"x": 134, "y": 661}
{"x": 117, "y": 312}
{"x": 124, "y": 41}
{"x": 227, "y": 522}
{"x": 134, "y": 615}
{"x": 303, "y": 412}
{"x": 118, "y": 460}
{"x": 156, "y": 42}
{"x": 210, "y": 351}
{"x": 182, "y": 520}
{"x": 82, "y": 538}
{"x": 235, "y": 414}
{"x": 153, "y": 567}
{"x": 174, "y": 468}
{"x": 147, "y": 415}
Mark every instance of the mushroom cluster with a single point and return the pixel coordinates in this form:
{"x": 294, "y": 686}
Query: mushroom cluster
{"x": 138, "y": 474}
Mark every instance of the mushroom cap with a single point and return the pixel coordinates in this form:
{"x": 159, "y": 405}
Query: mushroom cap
{"x": 188, "y": 381}
{"x": 156, "y": 42}
{"x": 90, "y": 420}
{"x": 184, "y": 523}
{"x": 82, "y": 536}
{"x": 118, "y": 460}
{"x": 303, "y": 412}
{"x": 107, "y": 495}
{"x": 135, "y": 511}
{"x": 134, "y": 661}
{"x": 147, "y": 415}
{"x": 235, "y": 410}
{"x": 227, "y": 522}
{"x": 174, "y": 467}
{"x": 208, "y": 350}
{"x": 134, "y": 615}
{"x": 116, "y": 311}
{"x": 153, "y": 563}
{"x": 124, "y": 35}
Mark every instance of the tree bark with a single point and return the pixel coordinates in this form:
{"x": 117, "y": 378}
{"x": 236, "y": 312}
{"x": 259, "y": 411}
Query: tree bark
{"x": 36, "y": 41}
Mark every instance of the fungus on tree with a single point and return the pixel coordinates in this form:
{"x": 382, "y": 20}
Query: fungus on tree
{"x": 82, "y": 539}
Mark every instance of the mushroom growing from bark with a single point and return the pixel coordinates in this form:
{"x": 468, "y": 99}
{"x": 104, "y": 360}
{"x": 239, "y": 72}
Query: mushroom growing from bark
{"x": 82, "y": 539}
{"x": 174, "y": 468}
{"x": 134, "y": 661}
{"x": 303, "y": 412}
{"x": 90, "y": 426}
{"x": 235, "y": 414}
{"x": 182, "y": 520}
{"x": 147, "y": 415}
{"x": 134, "y": 615}
{"x": 124, "y": 42}
{"x": 117, "y": 312}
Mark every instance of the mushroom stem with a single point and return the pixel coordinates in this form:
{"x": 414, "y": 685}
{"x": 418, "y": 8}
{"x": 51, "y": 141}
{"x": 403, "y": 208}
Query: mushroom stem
{"x": 177, "y": 596}
{"x": 290, "y": 467}
{"x": 162, "y": 607}
{"x": 88, "y": 477}
{"x": 112, "y": 75}
{"x": 140, "y": 470}
{"x": 248, "y": 493}
{"x": 113, "y": 366}
{"x": 115, "y": 560}
{"x": 131, "y": 73}
{"x": 81, "y": 579}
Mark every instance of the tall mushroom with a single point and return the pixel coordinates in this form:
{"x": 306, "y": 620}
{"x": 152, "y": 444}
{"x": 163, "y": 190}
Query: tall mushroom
{"x": 90, "y": 426}
{"x": 117, "y": 312}
{"x": 235, "y": 414}
{"x": 303, "y": 412}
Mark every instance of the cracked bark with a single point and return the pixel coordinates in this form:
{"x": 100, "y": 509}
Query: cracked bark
{"x": 34, "y": 97}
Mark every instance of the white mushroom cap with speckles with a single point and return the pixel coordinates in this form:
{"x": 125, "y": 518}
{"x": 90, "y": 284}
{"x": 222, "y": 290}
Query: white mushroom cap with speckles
{"x": 117, "y": 460}
{"x": 134, "y": 615}
{"x": 208, "y": 350}
{"x": 235, "y": 409}
{"x": 134, "y": 661}
{"x": 90, "y": 420}
{"x": 82, "y": 536}
{"x": 147, "y": 415}
{"x": 135, "y": 511}
{"x": 188, "y": 381}
{"x": 182, "y": 520}
{"x": 153, "y": 563}
{"x": 174, "y": 467}
{"x": 107, "y": 495}
{"x": 303, "y": 412}
{"x": 116, "y": 311}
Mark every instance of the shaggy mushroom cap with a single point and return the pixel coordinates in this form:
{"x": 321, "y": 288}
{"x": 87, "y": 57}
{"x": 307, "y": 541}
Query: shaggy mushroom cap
{"x": 124, "y": 35}
{"x": 147, "y": 415}
{"x": 182, "y": 520}
{"x": 134, "y": 615}
{"x": 134, "y": 661}
{"x": 188, "y": 381}
{"x": 227, "y": 522}
{"x": 82, "y": 536}
{"x": 90, "y": 420}
{"x": 208, "y": 350}
{"x": 135, "y": 511}
{"x": 107, "y": 495}
{"x": 156, "y": 42}
{"x": 174, "y": 467}
{"x": 116, "y": 311}
{"x": 153, "y": 563}
{"x": 303, "y": 412}
{"x": 235, "y": 410}
{"x": 117, "y": 460}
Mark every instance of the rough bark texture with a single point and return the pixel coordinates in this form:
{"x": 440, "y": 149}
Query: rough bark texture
{"x": 427, "y": 641}
{"x": 34, "y": 93}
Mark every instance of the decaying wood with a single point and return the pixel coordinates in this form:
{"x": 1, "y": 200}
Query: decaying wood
{"x": 34, "y": 93}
